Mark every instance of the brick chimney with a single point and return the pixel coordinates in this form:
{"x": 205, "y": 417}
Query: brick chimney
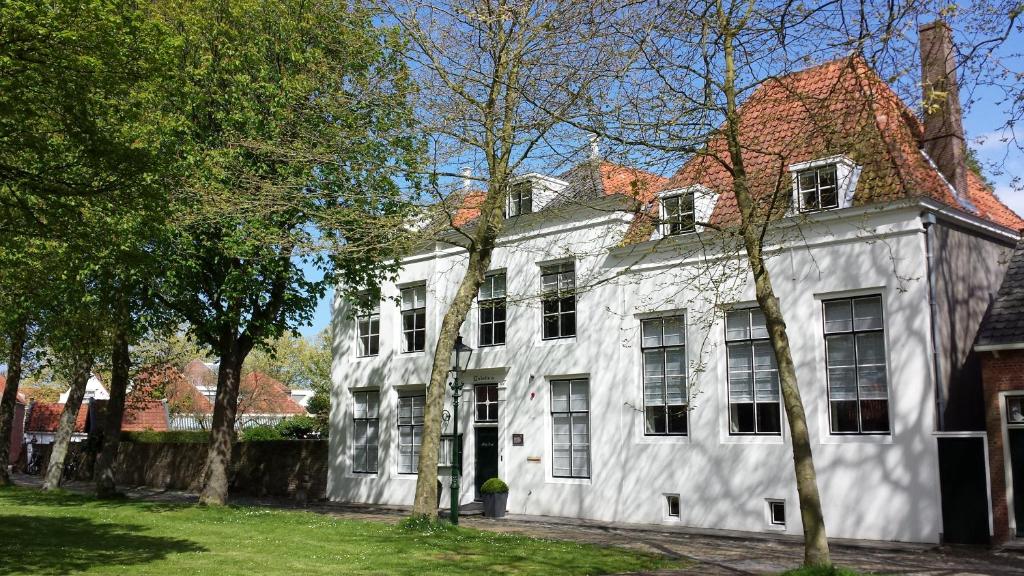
{"x": 943, "y": 127}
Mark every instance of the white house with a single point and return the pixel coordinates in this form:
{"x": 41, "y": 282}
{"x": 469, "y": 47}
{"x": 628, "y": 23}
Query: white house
{"x": 621, "y": 369}
{"x": 94, "y": 390}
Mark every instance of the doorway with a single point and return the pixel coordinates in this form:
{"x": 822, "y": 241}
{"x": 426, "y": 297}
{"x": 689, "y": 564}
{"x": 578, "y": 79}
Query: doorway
{"x": 486, "y": 451}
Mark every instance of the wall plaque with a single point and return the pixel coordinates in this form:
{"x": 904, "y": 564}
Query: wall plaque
{"x": 517, "y": 439}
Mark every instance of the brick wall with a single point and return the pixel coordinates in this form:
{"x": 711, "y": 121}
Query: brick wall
{"x": 1001, "y": 373}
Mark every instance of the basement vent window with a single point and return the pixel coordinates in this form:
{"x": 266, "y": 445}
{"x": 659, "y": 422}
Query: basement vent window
{"x": 672, "y": 505}
{"x": 777, "y": 513}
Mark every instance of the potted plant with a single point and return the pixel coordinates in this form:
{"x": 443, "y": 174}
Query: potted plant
{"x": 495, "y": 493}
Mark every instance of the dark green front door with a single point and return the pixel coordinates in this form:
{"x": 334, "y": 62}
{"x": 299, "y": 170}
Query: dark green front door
{"x": 1016, "y": 436}
{"x": 486, "y": 455}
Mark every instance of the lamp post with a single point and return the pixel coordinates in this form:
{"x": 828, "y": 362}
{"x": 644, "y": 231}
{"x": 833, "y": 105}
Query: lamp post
{"x": 460, "y": 358}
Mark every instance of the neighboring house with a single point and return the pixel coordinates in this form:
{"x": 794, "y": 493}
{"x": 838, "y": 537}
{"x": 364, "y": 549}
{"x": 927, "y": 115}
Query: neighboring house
{"x": 1001, "y": 343}
{"x": 44, "y": 419}
{"x": 622, "y": 370}
{"x": 94, "y": 390}
{"x": 262, "y": 400}
{"x": 18, "y": 426}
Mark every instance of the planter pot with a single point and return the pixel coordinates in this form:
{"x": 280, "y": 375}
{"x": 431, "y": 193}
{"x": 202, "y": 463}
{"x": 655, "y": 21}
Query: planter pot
{"x": 494, "y": 504}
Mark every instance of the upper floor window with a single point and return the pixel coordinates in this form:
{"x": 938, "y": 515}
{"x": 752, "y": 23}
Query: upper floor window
{"x": 365, "y": 421}
{"x": 520, "y": 199}
{"x": 754, "y": 406}
{"x": 855, "y": 358}
{"x": 664, "y": 351}
{"x": 491, "y": 300}
{"x": 818, "y": 188}
{"x": 410, "y": 433}
{"x": 678, "y": 214}
{"x": 558, "y": 295}
{"x": 414, "y": 318}
{"x": 368, "y": 322}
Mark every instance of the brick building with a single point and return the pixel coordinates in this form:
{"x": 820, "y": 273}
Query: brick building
{"x": 1001, "y": 344}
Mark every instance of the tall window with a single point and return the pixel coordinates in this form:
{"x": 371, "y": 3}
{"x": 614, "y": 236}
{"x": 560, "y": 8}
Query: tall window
{"x": 365, "y": 424}
{"x": 487, "y": 403}
{"x": 754, "y": 406}
{"x": 414, "y": 318}
{"x": 664, "y": 351}
{"x": 818, "y": 188}
{"x": 369, "y": 326}
{"x": 492, "y": 310}
{"x": 855, "y": 355}
{"x": 679, "y": 216}
{"x": 558, "y": 292}
{"x": 410, "y": 433}
{"x": 520, "y": 199}
{"x": 570, "y": 429}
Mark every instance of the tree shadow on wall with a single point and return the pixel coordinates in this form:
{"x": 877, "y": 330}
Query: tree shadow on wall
{"x": 34, "y": 545}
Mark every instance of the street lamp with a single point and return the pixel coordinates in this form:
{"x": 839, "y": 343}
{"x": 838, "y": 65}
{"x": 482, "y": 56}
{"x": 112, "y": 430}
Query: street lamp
{"x": 460, "y": 361}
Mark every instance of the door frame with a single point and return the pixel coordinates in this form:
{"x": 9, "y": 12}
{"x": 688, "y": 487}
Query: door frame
{"x": 1004, "y": 426}
{"x": 476, "y": 454}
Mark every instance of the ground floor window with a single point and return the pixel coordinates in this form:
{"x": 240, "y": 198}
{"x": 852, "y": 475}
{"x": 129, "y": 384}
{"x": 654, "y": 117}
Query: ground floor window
{"x": 570, "y": 428}
{"x": 365, "y": 424}
{"x": 410, "y": 433}
{"x": 754, "y": 406}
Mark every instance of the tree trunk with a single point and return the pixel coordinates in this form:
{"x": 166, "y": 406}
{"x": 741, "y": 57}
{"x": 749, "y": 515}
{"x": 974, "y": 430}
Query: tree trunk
{"x": 106, "y": 487}
{"x": 753, "y": 225}
{"x": 79, "y": 380}
{"x": 222, "y": 432}
{"x": 10, "y": 398}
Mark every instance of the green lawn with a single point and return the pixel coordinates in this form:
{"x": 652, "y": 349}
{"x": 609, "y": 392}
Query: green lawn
{"x": 63, "y": 534}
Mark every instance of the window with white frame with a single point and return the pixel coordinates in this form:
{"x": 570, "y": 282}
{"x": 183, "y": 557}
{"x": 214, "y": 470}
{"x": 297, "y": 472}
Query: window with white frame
{"x": 491, "y": 301}
{"x": 856, "y": 368}
{"x": 365, "y": 425}
{"x": 818, "y": 188}
{"x": 754, "y": 402}
{"x": 410, "y": 433}
{"x": 570, "y": 428}
{"x": 444, "y": 455}
{"x": 414, "y": 318}
{"x": 368, "y": 325}
{"x": 777, "y": 513}
{"x": 520, "y": 199}
{"x": 486, "y": 402}
{"x": 663, "y": 345}
{"x": 558, "y": 295}
{"x": 677, "y": 214}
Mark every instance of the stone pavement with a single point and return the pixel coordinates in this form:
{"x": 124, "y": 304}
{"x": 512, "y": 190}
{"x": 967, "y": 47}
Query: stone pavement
{"x": 710, "y": 553}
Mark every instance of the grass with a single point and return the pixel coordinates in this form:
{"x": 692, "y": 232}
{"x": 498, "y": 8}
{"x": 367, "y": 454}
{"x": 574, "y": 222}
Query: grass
{"x": 71, "y": 534}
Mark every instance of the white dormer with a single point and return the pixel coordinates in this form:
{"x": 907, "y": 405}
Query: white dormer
{"x": 683, "y": 209}
{"x": 531, "y": 193}
{"x": 823, "y": 184}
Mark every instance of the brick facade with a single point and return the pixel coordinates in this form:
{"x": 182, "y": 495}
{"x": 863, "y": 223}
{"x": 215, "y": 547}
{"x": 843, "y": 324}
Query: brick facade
{"x": 1001, "y": 372}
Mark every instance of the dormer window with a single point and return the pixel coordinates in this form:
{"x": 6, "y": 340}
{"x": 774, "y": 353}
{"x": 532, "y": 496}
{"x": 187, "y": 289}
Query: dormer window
{"x": 677, "y": 214}
{"x": 818, "y": 188}
{"x": 824, "y": 184}
{"x": 520, "y": 199}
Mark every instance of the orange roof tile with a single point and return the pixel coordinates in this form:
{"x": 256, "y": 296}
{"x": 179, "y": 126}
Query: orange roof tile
{"x": 839, "y": 107}
{"x": 261, "y": 394}
{"x": 45, "y": 417}
{"x": 3, "y": 386}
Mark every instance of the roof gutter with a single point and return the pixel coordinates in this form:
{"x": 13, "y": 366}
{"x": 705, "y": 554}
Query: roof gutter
{"x": 998, "y": 347}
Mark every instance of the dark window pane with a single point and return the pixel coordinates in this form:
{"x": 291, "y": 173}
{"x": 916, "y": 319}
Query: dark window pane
{"x": 741, "y": 418}
{"x": 768, "y": 417}
{"x": 677, "y": 419}
{"x": 498, "y": 312}
{"x": 551, "y": 306}
{"x": 410, "y": 341}
{"x": 486, "y": 314}
{"x": 492, "y": 412}
{"x": 481, "y": 411}
{"x": 551, "y": 326}
{"x": 569, "y": 324}
{"x": 409, "y": 321}
{"x": 874, "y": 415}
{"x": 486, "y": 339}
{"x": 655, "y": 419}
{"x": 499, "y": 333}
{"x": 420, "y": 342}
{"x": 374, "y": 344}
{"x": 844, "y": 416}
{"x": 421, "y": 320}
{"x": 829, "y": 198}
{"x": 492, "y": 393}
{"x": 568, "y": 304}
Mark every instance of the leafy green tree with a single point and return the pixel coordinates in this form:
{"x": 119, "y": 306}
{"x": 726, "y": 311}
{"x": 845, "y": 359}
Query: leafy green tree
{"x": 298, "y": 125}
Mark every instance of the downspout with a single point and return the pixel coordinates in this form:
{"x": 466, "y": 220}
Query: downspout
{"x": 928, "y": 220}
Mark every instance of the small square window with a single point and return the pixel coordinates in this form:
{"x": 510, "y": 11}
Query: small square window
{"x": 1015, "y": 410}
{"x": 777, "y": 512}
{"x": 672, "y": 505}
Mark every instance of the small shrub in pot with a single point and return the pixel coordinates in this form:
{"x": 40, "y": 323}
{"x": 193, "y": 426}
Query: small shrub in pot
{"x": 495, "y": 493}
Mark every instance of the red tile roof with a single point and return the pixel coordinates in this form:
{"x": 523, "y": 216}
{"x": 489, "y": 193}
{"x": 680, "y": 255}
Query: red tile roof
{"x": 261, "y": 394}
{"x": 199, "y": 374}
{"x": 627, "y": 181}
{"x": 167, "y": 383}
{"x": 45, "y": 417}
{"x": 140, "y": 415}
{"x": 3, "y": 386}
{"x": 840, "y": 107}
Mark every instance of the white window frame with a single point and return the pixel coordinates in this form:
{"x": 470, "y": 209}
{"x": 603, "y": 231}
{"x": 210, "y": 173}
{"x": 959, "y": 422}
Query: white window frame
{"x": 367, "y": 417}
{"x": 487, "y": 403}
{"x": 412, "y": 425}
{"x": 418, "y": 307}
{"x": 750, "y": 340}
{"x": 769, "y": 517}
{"x": 704, "y": 200}
{"x": 664, "y": 349}
{"x": 668, "y": 515}
{"x": 854, "y": 331}
{"x": 514, "y": 204}
{"x": 678, "y": 217}
{"x": 493, "y": 302}
{"x": 370, "y": 319}
{"x": 560, "y": 293}
{"x": 571, "y": 413}
{"x": 847, "y": 174}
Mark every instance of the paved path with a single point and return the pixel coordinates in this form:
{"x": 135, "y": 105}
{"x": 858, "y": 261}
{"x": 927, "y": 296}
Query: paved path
{"x": 718, "y": 554}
